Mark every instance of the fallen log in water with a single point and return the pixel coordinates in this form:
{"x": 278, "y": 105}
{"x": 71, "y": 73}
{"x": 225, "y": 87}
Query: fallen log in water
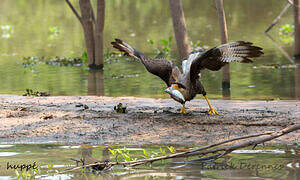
{"x": 215, "y": 149}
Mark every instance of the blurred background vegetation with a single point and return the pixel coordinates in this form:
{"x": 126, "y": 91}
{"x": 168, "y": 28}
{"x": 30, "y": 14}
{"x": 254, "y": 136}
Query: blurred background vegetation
{"x": 49, "y": 28}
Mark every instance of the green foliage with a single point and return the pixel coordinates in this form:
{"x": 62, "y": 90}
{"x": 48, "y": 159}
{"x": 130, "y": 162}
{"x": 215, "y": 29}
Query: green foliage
{"x": 162, "y": 151}
{"x": 195, "y": 45}
{"x": 63, "y": 61}
{"x": 54, "y": 32}
{"x": 124, "y": 154}
{"x": 145, "y": 153}
{"x": 113, "y": 152}
{"x": 171, "y": 149}
{"x": 151, "y": 41}
{"x": 120, "y": 109}
{"x": 30, "y": 92}
{"x": 54, "y": 29}
{"x": 25, "y": 175}
{"x": 286, "y": 33}
{"x": 55, "y": 61}
{"x": 7, "y": 31}
{"x": 164, "y": 50}
{"x": 286, "y": 29}
{"x": 50, "y": 166}
{"x": 84, "y": 57}
{"x": 37, "y": 170}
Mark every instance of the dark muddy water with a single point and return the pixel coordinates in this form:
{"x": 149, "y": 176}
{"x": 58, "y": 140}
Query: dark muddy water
{"x": 48, "y": 28}
{"x": 271, "y": 162}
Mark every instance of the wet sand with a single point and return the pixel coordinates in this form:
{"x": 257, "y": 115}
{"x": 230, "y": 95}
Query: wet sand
{"x": 74, "y": 119}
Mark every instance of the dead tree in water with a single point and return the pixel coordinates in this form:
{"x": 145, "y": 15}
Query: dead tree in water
{"x": 179, "y": 28}
{"x": 224, "y": 40}
{"x": 297, "y": 28}
{"x": 93, "y": 30}
{"x": 297, "y": 46}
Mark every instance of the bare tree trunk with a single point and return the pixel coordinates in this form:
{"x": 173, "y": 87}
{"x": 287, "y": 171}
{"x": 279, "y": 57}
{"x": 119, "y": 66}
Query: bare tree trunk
{"x": 179, "y": 28}
{"x": 224, "y": 39}
{"x": 99, "y": 28}
{"x": 93, "y": 30}
{"x": 297, "y": 47}
{"x": 297, "y": 28}
{"x": 88, "y": 29}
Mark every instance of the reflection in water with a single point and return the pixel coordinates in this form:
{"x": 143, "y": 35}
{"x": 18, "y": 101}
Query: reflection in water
{"x": 297, "y": 80}
{"x": 85, "y": 153}
{"x": 105, "y": 154}
{"x": 96, "y": 83}
{"x": 286, "y": 54}
{"x": 296, "y": 61}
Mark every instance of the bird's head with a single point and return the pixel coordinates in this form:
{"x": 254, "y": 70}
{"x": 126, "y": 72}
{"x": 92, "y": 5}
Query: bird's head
{"x": 175, "y": 91}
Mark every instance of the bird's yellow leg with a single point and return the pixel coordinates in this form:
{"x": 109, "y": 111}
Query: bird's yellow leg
{"x": 183, "y": 111}
{"x": 211, "y": 109}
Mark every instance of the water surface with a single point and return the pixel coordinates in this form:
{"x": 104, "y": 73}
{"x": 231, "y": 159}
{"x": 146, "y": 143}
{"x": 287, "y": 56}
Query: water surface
{"x": 48, "y": 28}
{"x": 272, "y": 162}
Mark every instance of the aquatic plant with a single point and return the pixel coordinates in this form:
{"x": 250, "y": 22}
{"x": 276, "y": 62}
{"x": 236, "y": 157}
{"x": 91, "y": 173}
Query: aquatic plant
{"x": 123, "y": 155}
{"x": 7, "y": 31}
{"x": 195, "y": 46}
{"x": 55, "y": 61}
{"x": 24, "y": 175}
{"x": 163, "y": 51}
{"x": 286, "y": 33}
{"x": 120, "y": 109}
{"x": 30, "y": 92}
{"x": 54, "y": 32}
{"x": 31, "y": 61}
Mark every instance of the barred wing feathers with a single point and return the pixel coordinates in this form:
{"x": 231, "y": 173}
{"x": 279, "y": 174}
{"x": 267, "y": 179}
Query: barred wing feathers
{"x": 217, "y": 57}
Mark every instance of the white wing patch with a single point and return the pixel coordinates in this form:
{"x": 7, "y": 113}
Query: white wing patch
{"x": 186, "y": 63}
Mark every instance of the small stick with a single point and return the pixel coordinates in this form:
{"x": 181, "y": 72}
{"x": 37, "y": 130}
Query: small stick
{"x": 276, "y": 20}
{"x": 74, "y": 11}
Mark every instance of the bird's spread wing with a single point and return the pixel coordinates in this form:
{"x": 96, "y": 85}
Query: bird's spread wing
{"x": 215, "y": 58}
{"x": 162, "y": 68}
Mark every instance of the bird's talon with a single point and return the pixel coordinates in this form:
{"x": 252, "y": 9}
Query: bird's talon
{"x": 213, "y": 111}
{"x": 183, "y": 111}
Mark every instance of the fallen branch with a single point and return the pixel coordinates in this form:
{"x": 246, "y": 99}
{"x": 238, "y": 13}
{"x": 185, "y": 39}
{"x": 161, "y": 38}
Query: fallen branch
{"x": 203, "y": 151}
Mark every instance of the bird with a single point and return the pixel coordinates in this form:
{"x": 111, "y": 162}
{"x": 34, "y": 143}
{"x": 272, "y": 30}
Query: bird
{"x": 184, "y": 85}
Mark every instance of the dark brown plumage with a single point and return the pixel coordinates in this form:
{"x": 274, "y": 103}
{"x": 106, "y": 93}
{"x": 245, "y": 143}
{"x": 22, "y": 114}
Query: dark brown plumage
{"x": 187, "y": 82}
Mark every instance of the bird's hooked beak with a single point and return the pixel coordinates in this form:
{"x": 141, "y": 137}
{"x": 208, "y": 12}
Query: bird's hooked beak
{"x": 175, "y": 93}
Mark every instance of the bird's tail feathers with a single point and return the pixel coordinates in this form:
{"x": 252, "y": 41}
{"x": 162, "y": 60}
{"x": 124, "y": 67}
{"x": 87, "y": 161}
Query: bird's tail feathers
{"x": 126, "y": 48}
